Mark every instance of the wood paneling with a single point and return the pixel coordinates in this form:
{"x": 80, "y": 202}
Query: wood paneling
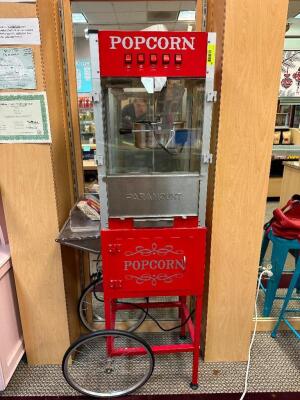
{"x": 28, "y": 194}
{"x": 215, "y": 23}
{"x": 37, "y": 187}
{"x": 199, "y": 15}
{"x": 268, "y": 324}
{"x": 72, "y": 94}
{"x": 54, "y": 82}
{"x": 11, "y": 10}
{"x": 250, "y": 66}
{"x": 62, "y": 163}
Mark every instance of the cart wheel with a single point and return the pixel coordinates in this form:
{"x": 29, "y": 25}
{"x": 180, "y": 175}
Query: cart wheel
{"x": 91, "y": 301}
{"x": 90, "y": 367}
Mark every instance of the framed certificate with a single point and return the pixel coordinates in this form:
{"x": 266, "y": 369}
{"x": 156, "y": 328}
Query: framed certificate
{"x": 24, "y": 118}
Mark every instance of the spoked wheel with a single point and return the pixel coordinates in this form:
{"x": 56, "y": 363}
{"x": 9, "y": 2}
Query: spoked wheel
{"x": 99, "y": 364}
{"x": 91, "y": 309}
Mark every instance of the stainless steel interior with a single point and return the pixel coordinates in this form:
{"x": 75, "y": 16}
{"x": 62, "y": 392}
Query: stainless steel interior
{"x": 153, "y": 144}
{"x": 153, "y": 133}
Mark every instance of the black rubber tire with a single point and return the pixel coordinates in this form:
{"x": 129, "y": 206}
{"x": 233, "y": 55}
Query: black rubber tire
{"x": 66, "y": 361}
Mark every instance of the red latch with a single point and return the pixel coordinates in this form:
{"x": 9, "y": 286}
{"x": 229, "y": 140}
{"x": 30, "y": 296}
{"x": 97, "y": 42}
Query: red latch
{"x": 128, "y": 58}
{"x": 153, "y": 58}
{"x": 166, "y": 58}
{"x": 178, "y": 59}
{"x": 140, "y": 58}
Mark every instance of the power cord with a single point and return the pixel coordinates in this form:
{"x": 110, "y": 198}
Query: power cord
{"x": 266, "y": 270}
{"x": 154, "y": 319}
{"x": 146, "y": 311}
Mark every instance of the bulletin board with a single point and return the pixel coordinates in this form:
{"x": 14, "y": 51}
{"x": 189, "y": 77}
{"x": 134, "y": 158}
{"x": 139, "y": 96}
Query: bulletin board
{"x": 21, "y": 71}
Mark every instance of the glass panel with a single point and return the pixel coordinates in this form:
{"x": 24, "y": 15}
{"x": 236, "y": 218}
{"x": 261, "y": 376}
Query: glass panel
{"x": 152, "y": 133}
{"x": 296, "y": 121}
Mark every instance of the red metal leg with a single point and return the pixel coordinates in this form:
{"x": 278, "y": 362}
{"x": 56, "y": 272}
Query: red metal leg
{"x": 108, "y": 312}
{"x": 108, "y": 323}
{"x": 197, "y": 326}
{"x": 194, "y": 328}
{"x": 114, "y": 309}
{"x": 182, "y": 317}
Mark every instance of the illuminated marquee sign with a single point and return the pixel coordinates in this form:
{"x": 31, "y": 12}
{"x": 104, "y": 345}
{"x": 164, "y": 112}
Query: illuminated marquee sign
{"x": 152, "y": 42}
{"x": 146, "y": 53}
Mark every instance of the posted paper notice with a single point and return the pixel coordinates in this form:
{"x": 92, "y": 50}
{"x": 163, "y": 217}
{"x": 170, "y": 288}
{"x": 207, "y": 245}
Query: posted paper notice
{"x": 19, "y": 31}
{"x": 17, "y": 68}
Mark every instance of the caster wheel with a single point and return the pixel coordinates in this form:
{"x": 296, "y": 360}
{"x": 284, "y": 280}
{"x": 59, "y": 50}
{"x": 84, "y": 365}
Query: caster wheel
{"x": 194, "y": 386}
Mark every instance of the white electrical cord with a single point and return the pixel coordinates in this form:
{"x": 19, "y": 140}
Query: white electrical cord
{"x": 266, "y": 271}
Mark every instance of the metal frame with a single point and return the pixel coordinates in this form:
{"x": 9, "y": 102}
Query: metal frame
{"x": 206, "y": 157}
{"x": 193, "y": 328}
{"x": 100, "y": 136}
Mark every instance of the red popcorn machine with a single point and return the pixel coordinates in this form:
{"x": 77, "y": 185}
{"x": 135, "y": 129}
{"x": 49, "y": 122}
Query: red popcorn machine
{"x": 153, "y": 94}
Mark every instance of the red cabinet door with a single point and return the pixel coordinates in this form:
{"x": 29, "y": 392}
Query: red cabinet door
{"x": 153, "y": 261}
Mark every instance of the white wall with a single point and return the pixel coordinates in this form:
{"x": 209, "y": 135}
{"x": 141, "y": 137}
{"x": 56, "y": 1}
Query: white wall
{"x": 82, "y": 49}
{"x": 292, "y": 44}
{"x": 294, "y": 30}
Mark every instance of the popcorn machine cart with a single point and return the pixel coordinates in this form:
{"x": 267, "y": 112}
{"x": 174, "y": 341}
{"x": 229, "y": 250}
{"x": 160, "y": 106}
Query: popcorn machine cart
{"x": 153, "y": 94}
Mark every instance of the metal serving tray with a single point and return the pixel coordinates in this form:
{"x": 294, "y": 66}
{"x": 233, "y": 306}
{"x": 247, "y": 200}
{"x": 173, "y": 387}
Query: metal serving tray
{"x": 86, "y": 239}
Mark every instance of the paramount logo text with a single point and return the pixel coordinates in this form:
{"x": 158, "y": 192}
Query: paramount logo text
{"x": 153, "y": 42}
{"x": 154, "y": 196}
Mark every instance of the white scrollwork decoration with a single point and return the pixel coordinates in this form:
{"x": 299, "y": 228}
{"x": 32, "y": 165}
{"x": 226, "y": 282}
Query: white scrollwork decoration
{"x": 140, "y": 279}
{"x": 168, "y": 249}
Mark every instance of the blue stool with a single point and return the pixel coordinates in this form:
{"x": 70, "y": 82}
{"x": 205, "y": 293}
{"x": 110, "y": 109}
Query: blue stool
{"x": 288, "y": 296}
{"x": 281, "y": 248}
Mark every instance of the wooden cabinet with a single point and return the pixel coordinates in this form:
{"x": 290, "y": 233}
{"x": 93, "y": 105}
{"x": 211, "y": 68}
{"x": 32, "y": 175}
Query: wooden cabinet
{"x": 274, "y": 187}
{"x": 277, "y": 164}
{"x": 290, "y": 182}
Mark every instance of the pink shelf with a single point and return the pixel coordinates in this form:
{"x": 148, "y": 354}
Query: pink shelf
{"x": 4, "y": 255}
{"x": 11, "y": 344}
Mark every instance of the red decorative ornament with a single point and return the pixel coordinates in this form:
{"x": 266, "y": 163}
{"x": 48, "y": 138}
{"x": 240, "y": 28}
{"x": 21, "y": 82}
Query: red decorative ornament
{"x": 296, "y": 76}
{"x": 286, "y": 82}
